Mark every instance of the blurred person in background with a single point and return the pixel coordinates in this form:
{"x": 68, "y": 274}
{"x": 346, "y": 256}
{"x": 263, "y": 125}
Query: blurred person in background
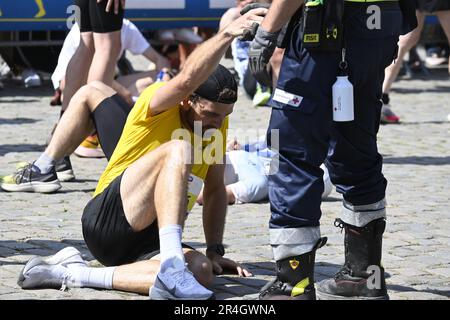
{"x": 441, "y": 8}
{"x": 129, "y": 86}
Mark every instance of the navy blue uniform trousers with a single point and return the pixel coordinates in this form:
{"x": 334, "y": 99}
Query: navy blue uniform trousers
{"x": 302, "y": 113}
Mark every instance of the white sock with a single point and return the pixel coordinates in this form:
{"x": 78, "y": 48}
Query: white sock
{"x": 84, "y": 276}
{"x": 45, "y": 163}
{"x": 170, "y": 243}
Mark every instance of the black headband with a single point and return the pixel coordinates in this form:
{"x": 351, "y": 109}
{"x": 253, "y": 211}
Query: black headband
{"x": 215, "y": 87}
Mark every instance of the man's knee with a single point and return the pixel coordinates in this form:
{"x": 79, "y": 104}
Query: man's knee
{"x": 180, "y": 151}
{"x": 93, "y": 93}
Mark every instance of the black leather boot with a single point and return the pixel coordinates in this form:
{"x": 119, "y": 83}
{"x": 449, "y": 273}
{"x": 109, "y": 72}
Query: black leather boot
{"x": 362, "y": 276}
{"x": 295, "y": 278}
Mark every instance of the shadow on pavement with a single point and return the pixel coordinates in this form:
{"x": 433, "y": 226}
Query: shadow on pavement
{"x": 437, "y": 89}
{"x": 8, "y": 148}
{"x": 38, "y": 247}
{"x": 399, "y": 288}
{"x": 13, "y": 88}
{"x": 67, "y": 191}
{"x": 18, "y": 121}
{"x": 424, "y": 161}
{"x": 16, "y": 101}
{"x": 84, "y": 180}
{"x": 414, "y": 123}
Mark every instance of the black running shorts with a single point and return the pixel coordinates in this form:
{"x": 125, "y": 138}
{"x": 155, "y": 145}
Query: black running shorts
{"x": 94, "y": 17}
{"x": 109, "y": 118}
{"x": 108, "y": 234}
{"x": 110, "y": 237}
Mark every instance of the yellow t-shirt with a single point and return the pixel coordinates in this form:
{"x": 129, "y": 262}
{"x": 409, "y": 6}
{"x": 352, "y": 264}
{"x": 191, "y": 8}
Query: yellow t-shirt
{"x": 143, "y": 134}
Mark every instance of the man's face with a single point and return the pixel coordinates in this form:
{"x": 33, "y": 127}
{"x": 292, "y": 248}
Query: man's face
{"x": 211, "y": 114}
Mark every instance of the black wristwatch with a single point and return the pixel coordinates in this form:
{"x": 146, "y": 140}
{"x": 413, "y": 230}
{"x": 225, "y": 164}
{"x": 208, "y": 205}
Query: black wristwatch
{"x": 217, "y": 248}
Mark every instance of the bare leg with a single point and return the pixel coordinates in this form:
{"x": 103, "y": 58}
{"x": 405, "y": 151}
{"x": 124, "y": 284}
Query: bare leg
{"x": 147, "y": 183}
{"x": 76, "y": 124}
{"x": 78, "y": 68}
{"x": 444, "y": 19}
{"x": 107, "y": 49}
{"x": 139, "y": 276}
{"x": 406, "y": 43}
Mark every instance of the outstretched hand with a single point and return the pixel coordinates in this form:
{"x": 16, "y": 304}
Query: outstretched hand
{"x": 249, "y": 21}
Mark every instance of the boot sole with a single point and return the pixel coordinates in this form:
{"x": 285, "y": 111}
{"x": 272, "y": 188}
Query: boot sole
{"x": 327, "y": 296}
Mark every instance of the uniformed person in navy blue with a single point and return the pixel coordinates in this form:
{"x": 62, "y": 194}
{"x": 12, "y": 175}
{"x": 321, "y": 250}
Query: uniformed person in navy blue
{"x": 368, "y": 32}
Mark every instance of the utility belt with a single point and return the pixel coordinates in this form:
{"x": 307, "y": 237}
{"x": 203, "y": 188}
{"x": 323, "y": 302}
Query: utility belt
{"x": 321, "y": 23}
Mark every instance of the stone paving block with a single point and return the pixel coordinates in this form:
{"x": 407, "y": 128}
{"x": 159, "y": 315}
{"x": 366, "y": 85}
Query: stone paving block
{"x": 442, "y": 271}
{"x": 239, "y": 290}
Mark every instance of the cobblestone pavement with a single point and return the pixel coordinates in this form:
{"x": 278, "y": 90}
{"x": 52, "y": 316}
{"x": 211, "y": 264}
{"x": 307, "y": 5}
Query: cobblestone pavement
{"x": 417, "y": 165}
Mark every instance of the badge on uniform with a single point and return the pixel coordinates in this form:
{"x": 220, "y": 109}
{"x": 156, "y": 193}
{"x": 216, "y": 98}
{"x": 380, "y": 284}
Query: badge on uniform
{"x": 287, "y": 98}
{"x": 294, "y": 264}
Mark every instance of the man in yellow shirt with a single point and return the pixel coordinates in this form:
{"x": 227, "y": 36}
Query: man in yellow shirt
{"x": 133, "y": 225}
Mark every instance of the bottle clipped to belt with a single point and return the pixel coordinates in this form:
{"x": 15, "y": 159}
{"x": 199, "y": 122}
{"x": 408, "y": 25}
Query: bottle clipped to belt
{"x": 323, "y": 25}
{"x": 343, "y": 99}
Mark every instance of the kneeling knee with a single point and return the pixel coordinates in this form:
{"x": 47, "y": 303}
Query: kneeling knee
{"x": 180, "y": 150}
{"x": 85, "y": 92}
{"x": 203, "y": 271}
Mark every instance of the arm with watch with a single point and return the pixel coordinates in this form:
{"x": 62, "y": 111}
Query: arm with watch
{"x": 214, "y": 212}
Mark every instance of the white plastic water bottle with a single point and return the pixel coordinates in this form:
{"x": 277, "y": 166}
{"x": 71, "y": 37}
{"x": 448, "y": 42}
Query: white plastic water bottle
{"x": 343, "y": 103}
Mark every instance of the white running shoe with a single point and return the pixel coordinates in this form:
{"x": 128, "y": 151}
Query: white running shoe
{"x": 176, "y": 282}
{"x": 51, "y": 271}
{"x": 29, "y": 179}
{"x": 30, "y": 78}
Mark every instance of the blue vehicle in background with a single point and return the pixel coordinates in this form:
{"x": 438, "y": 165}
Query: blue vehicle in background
{"x": 32, "y": 28}
{"x": 33, "y": 15}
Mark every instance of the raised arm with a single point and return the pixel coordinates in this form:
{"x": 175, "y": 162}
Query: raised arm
{"x": 201, "y": 63}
